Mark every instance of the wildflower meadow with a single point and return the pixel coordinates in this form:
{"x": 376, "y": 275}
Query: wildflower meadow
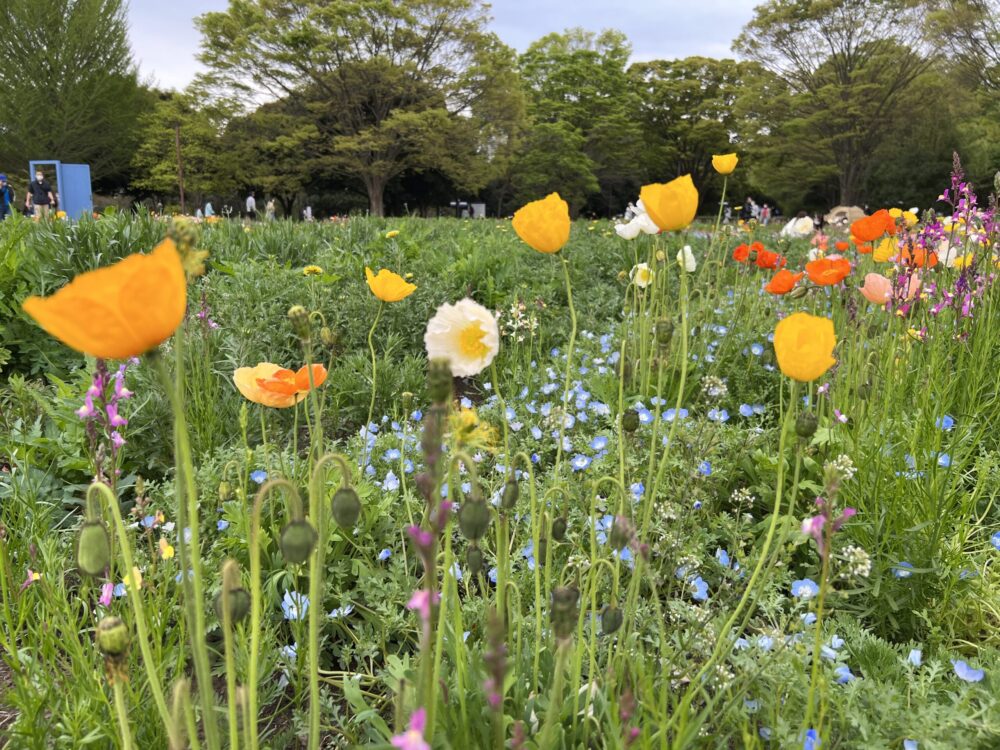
{"x": 529, "y": 483}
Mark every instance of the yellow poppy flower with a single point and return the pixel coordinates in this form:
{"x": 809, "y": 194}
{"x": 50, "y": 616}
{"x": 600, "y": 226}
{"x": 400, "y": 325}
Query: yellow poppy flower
{"x": 908, "y": 216}
{"x": 804, "y": 346}
{"x": 134, "y": 579}
{"x": 885, "y": 250}
{"x": 544, "y": 224}
{"x": 389, "y": 286}
{"x": 166, "y": 549}
{"x": 671, "y": 205}
{"x": 120, "y": 311}
{"x": 724, "y": 163}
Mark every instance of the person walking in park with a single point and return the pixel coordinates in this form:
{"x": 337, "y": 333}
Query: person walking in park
{"x": 269, "y": 210}
{"x": 39, "y": 197}
{"x": 251, "y": 206}
{"x": 6, "y": 198}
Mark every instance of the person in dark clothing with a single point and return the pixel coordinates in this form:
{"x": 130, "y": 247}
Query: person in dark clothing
{"x": 6, "y": 198}
{"x": 746, "y": 213}
{"x": 39, "y": 195}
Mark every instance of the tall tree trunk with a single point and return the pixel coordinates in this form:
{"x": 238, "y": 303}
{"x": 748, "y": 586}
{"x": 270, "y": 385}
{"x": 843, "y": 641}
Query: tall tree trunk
{"x": 376, "y": 194}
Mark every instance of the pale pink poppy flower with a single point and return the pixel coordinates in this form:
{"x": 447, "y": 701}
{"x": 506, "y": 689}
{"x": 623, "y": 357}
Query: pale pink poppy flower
{"x": 877, "y": 288}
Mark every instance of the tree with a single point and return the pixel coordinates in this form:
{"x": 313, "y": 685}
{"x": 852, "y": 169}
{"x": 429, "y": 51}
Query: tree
{"x": 687, "y": 114}
{"x": 971, "y": 30}
{"x": 846, "y": 64}
{"x": 68, "y": 85}
{"x": 208, "y": 165}
{"x": 553, "y": 159}
{"x": 402, "y": 85}
{"x": 579, "y": 79}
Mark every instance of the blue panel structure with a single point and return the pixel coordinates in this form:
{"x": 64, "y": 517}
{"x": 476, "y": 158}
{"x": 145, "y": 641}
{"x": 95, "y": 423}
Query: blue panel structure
{"x": 72, "y": 183}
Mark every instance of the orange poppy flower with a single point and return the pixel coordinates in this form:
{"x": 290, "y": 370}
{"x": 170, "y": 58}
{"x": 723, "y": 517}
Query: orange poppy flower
{"x": 872, "y": 227}
{"x": 919, "y": 257}
{"x": 120, "y": 311}
{"x": 828, "y": 271}
{"x": 741, "y": 254}
{"x": 865, "y": 249}
{"x": 841, "y": 245}
{"x": 769, "y": 259}
{"x": 783, "y": 282}
{"x": 271, "y": 385}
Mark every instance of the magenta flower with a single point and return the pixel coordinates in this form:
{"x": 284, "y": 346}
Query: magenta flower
{"x": 413, "y": 737}
{"x": 107, "y": 590}
{"x": 421, "y": 602}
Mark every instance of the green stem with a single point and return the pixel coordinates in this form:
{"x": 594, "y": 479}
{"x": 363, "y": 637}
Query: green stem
{"x": 818, "y": 642}
{"x": 230, "y": 657}
{"x": 569, "y": 362}
{"x": 121, "y": 711}
{"x": 555, "y": 694}
{"x": 371, "y": 405}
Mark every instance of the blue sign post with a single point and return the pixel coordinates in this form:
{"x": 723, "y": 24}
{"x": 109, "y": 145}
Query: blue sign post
{"x": 72, "y": 183}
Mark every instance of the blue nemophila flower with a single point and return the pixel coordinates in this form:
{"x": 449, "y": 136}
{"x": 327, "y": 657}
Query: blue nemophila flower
{"x": 602, "y": 527}
{"x": 456, "y": 571}
{"x": 836, "y": 642}
{"x": 964, "y": 672}
{"x": 718, "y": 415}
{"x": 599, "y": 443}
{"x": 492, "y": 572}
{"x": 536, "y": 433}
{"x": 804, "y": 588}
{"x": 943, "y": 460}
{"x": 909, "y": 745}
{"x": 811, "y": 740}
{"x": 765, "y": 734}
{"x": 546, "y": 409}
{"x": 259, "y": 476}
{"x": 510, "y": 414}
{"x": 995, "y": 540}
{"x": 393, "y": 454}
{"x": 338, "y": 612}
{"x": 391, "y": 483}
{"x": 765, "y": 642}
{"x": 528, "y": 553}
{"x": 579, "y": 462}
{"x": 645, "y": 416}
{"x": 222, "y": 524}
{"x": 120, "y": 590}
{"x": 370, "y": 470}
{"x": 946, "y": 422}
{"x": 549, "y": 388}
{"x": 915, "y": 657}
{"x": 752, "y": 706}
{"x": 746, "y": 410}
{"x": 699, "y": 589}
{"x": 416, "y": 415}
{"x": 408, "y": 466}
{"x": 756, "y": 349}
{"x": 638, "y": 489}
{"x": 294, "y": 605}
{"x": 723, "y": 557}
{"x": 671, "y": 414}
{"x": 705, "y": 468}
{"x": 902, "y": 569}
{"x": 741, "y": 644}
{"x": 696, "y": 505}
{"x": 384, "y": 554}
{"x": 808, "y": 618}
{"x": 290, "y": 652}
{"x": 149, "y": 521}
{"x": 843, "y": 674}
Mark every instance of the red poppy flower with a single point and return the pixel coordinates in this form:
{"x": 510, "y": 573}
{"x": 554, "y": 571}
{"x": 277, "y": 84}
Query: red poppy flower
{"x": 741, "y": 254}
{"x": 872, "y": 227}
{"x": 769, "y": 259}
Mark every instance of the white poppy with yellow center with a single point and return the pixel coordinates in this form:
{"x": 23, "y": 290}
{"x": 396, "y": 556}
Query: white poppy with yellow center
{"x": 466, "y": 335}
{"x": 641, "y": 275}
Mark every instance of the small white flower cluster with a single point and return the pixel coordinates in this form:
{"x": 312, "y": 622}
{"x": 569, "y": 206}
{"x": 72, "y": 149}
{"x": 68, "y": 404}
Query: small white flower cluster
{"x": 517, "y": 322}
{"x": 741, "y": 496}
{"x": 842, "y": 467}
{"x": 857, "y": 563}
{"x": 714, "y": 387}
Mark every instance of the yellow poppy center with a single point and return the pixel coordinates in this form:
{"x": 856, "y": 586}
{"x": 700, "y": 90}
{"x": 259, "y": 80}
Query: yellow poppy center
{"x": 470, "y": 342}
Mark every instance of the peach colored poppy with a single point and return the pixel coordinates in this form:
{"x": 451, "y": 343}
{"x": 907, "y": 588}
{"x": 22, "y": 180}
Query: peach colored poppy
{"x": 271, "y": 385}
{"x": 877, "y": 289}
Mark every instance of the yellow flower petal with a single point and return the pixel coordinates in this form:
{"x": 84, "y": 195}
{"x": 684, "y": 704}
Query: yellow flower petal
{"x": 671, "y": 205}
{"x": 804, "y": 346}
{"x": 389, "y": 286}
{"x": 544, "y": 224}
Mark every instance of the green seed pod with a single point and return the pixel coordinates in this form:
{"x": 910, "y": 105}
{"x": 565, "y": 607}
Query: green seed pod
{"x": 664, "y": 332}
{"x": 239, "y": 604}
{"x": 559, "y": 527}
{"x": 799, "y": 291}
{"x": 225, "y": 490}
{"x": 511, "y": 492}
{"x": 93, "y": 551}
{"x": 611, "y": 619}
{"x": 630, "y": 421}
{"x": 620, "y": 534}
{"x": 439, "y": 381}
{"x": 297, "y": 541}
{"x": 474, "y": 559}
{"x": 328, "y": 338}
{"x": 474, "y": 519}
{"x": 805, "y": 424}
{"x": 543, "y": 545}
{"x": 346, "y": 507}
{"x": 564, "y": 611}
{"x": 299, "y": 318}
{"x": 112, "y": 637}
{"x": 865, "y": 390}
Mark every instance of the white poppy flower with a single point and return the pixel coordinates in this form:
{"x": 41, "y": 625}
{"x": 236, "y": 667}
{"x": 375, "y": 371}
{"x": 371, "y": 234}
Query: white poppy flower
{"x": 641, "y": 275}
{"x": 628, "y": 231}
{"x": 685, "y": 256}
{"x": 465, "y": 334}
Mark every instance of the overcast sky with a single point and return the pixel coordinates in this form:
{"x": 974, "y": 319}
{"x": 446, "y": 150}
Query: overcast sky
{"x": 165, "y": 40}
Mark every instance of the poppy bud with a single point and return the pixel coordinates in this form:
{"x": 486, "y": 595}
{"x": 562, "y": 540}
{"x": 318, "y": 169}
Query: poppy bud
{"x": 225, "y": 490}
{"x": 474, "y": 559}
{"x": 799, "y": 291}
{"x": 297, "y": 541}
{"x": 664, "y": 332}
{"x": 805, "y": 424}
{"x": 406, "y": 399}
{"x": 474, "y": 519}
{"x": 559, "y": 528}
{"x": 140, "y": 486}
{"x": 511, "y": 491}
{"x": 620, "y": 534}
{"x": 439, "y": 381}
{"x": 622, "y": 276}
{"x": 611, "y": 619}
{"x": 93, "y": 552}
{"x": 239, "y": 604}
{"x": 346, "y": 507}
{"x": 661, "y": 256}
{"x": 543, "y": 546}
{"x": 864, "y": 390}
{"x": 630, "y": 421}
{"x": 328, "y": 338}
{"x": 299, "y": 317}
{"x": 564, "y": 611}
{"x": 112, "y": 637}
